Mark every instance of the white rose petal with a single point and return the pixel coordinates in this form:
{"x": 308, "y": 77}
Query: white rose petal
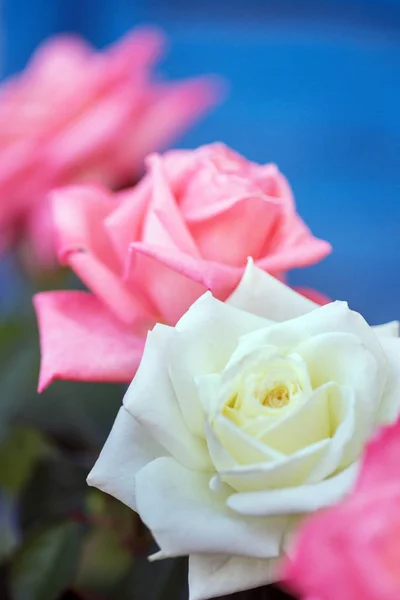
{"x": 244, "y": 418}
{"x": 292, "y": 470}
{"x": 261, "y": 294}
{"x": 129, "y": 447}
{"x": 185, "y": 516}
{"x": 206, "y": 337}
{"x": 212, "y": 576}
{"x": 306, "y": 424}
{"x": 294, "y": 500}
{"x": 343, "y": 424}
{"x": 151, "y": 400}
{"x": 244, "y": 448}
{"x": 389, "y": 408}
{"x": 385, "y": 330}
{"x": 344, "y": 359}
{"x": 331, "y": 318}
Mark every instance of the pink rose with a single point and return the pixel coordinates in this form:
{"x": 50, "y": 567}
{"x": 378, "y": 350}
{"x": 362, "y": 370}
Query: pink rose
{"x": 352, "y": 551}
{"x": 146, "y": 254}
{"x": 76, "y": 115}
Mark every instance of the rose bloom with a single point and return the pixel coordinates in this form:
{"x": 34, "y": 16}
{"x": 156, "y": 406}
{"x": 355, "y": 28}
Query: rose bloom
{"x": 241, "y": 420}
{"x": 75, "y": 115}
{"x": 146, "y": 254}
{"x": 352, "y": 551}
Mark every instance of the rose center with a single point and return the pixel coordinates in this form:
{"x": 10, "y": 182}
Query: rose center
{"x": 277, "y": 397}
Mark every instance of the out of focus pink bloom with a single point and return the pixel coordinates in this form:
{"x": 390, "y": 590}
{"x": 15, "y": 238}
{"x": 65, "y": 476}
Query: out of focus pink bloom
{"x": 352, "y": 551}
{"x": 79, "y": 115}
{"x": 146, "y": 254}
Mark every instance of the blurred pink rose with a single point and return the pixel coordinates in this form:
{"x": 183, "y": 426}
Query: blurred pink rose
{"x": 77, "y": 115}
{"x": 146, "y": 254}
{"x": 352, "y": 551}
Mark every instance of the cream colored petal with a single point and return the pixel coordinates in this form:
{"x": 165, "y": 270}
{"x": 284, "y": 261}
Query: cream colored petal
{"x": 219, "y": 575}
{"x": 389, "y": 408}
{"x": 151, "y": 400}
{"x": 387, "y": 330}
{"x": 343, "y": 422}
{"x": 306, "y": 424}
{"x": 208, "y": 389}
{"x": 186, "y": 517}
{"x": 343, "y": 358}
{"x": 261, "y": 294}
{"x": 219, "y": 454}
{"x": 205, "y": 338}
{"x": 129, "y": 447}
{"x": 333, "y": 318}
{"x": 291, "y": 471}
{"x": 245, "y": 449}
{"x": 295, "y": 500}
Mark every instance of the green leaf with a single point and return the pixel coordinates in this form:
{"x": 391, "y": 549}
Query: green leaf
{"x": 10, "y": 331}
{"x": 159, "y": 580}
{"x": 4, "y": 588}
{"x": 85, "y": 412}
{"x": 57, "y": 488}
{"x": 104, "y": 560}
{"x": 9, "y": 530}
{"x": 46, "y": 563}
{"x": 84, "y": 415}
{"x": 109, "y": 547}
{"x": 176, "y": 583}
{"x": 19, "y": 364}
{"x": 59, "y": 279}
{"x": 21, "y": 449}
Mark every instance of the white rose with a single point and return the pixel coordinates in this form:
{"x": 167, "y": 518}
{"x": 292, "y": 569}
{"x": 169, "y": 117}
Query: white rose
{"x": 242, "y": 418}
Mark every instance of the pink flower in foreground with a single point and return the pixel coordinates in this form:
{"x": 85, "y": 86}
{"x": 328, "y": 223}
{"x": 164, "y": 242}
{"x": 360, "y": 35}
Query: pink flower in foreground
{"x": 146, "y": 254}
{"x": 352, "y": 551}
{"x": 76, "y": 115}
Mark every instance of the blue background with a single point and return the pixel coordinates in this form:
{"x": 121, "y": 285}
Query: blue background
{"x": 315, "y": 87}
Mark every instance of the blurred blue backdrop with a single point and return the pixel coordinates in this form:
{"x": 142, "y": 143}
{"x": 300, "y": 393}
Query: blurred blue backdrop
{"x": 315, "y": 87}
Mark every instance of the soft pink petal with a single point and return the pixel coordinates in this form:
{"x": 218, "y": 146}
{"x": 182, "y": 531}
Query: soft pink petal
{"x": 302, "y": 253}
{"x": 124, "y": 224}
{"x": 81, "y": 340}
{"x": 275, "y": 184}
{"x": 66, "y": 63}
{"x": 219, "y": 278}
{"x": 83, "y": 244}
{"x": 222, "y": 174}
{"x": 352, "y": 551}
{"x": 236, "y": 228}
{"x": 381, "y": 462}
{"x": 48, "y": 86}
{"x": 169, "y": 291}
{"x": 60, "y": 57}
{"x": 136, "y": 51}
{"x": 22, "y": 180}
{"x": 92, "y": 136}
{"x": 164, "y": 206}
{"x": 38, "y": 245}
{"x": 179, "y": 168}
{"x": 107, "y": 286}
{"x": 171, "y": 110}
{"x": 78, "y": 213}
{"x": 119, "y": 89}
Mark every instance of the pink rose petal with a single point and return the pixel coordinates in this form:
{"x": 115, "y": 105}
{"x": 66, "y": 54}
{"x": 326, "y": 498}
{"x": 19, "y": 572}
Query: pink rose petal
{"x": 81, "y": 340}
{"x": 189, "y": 226}
{"x": 352, "y": 551}
{"x": 76, "y": 115}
